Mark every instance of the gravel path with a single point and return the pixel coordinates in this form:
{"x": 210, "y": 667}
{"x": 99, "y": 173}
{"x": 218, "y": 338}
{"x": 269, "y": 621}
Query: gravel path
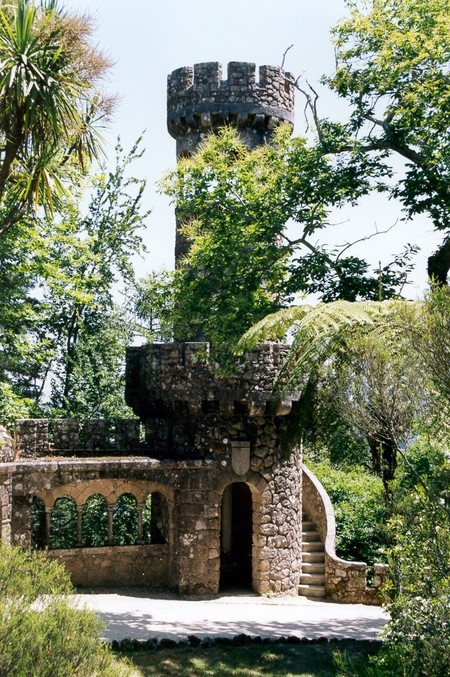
{"x": 139, "y": 614}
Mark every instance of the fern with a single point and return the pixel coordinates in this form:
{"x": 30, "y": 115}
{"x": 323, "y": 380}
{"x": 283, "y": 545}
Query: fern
{"x": 323, "y": 330}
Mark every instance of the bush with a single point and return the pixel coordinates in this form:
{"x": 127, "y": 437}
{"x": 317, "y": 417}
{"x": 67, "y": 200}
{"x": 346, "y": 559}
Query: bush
{"x": 41, "y": 633}
{"x": 417, "y": 640}
{"x": 358, "y": 501}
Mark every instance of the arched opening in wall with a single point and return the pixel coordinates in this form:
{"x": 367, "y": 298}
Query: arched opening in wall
{"x": 125, "y": 520}
{"x": 38, "y": 528}
{"x": 155, "y": 522}
{"x": 94, "y": 525}
{"x": 63, "y": 524}
{"x": 236, "y": 537}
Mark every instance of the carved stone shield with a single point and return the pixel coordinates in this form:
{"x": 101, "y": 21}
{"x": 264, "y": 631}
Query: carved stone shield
{"x": 240, "y": 457}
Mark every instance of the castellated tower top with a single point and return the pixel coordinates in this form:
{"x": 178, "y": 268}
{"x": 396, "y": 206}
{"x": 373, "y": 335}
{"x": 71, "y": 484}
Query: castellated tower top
{"x": 199, "y": 101}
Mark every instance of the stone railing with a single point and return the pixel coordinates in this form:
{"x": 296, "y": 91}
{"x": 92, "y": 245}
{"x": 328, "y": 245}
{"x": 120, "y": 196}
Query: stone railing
{"x": 344, "y": 581}
{"x": 36, "y": 438}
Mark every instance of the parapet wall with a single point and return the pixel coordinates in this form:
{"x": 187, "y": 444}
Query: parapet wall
{"x": 167, "y": 375}
{"x": 36, "y": 438}
{"x": 344, "y": 581}
{"x": 199, "y": 99}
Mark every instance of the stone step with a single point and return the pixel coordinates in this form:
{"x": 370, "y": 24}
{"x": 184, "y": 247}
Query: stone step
{"x": 313, "y": 568}
{"x": 309, "y": 536}
{"x": 311, "y": 590}
{"x": 307, "y": 525}
{"x": 316, "y": 557}
{"x": 312, "y": 546}
{"x": 312, "y": 579}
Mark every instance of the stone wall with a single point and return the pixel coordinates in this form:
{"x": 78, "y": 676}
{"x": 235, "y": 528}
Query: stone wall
{"x": 344, "y": 581}
{"x": 6, "y": 446}
{"x": 200, "y": 101}
{"x": 190, "y": 413}
{"x": 194, "y": 492}
{"x": 39, "y": 438}
{"x": 5, "y": 503}
{"x": 133, "y": 565}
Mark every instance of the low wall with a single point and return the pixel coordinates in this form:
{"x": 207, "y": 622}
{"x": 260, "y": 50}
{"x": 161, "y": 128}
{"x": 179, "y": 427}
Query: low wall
{"x": 5, "y": 505}
{"x": 126, "y": 565}
{"x": 344, "y": 581}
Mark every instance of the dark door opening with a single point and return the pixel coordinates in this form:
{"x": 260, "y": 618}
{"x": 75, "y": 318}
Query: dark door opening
{"x": 236, "y": 537}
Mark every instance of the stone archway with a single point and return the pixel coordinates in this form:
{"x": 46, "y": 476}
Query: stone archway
{"x": 236, "y": 537}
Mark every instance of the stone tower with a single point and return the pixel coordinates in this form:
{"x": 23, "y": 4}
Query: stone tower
{"x": 200, "y": 102}
{"x": 239, "y": 511}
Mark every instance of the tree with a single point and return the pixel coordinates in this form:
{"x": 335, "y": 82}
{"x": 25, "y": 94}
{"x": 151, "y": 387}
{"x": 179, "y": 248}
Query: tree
{"x": 51, "y": 103}
{"x": 359, "y": 357}
{"x": 416, "y": 640}
{"x": 243, "y": 263}
{"x": 392, "y": 67}
{"x": 71, "y": 333}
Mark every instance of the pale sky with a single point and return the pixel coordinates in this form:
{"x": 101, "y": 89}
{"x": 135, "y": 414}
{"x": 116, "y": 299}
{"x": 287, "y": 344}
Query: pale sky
{"x": 147, "y": 39}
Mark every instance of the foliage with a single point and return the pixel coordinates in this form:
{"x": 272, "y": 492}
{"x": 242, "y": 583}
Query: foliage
{"x": 417, "y": 640}
{"x": 429, "y": 335}
{"x": 234, "y": 204}
{"x": 371, "y": 375}
{"x": 51, "y": 103}
{"x": 154, "y": 306}
{"x": 357, "y": 498}
{"x": 319, "y": 331}
{"x": 94, "y": 528}
{"x": 12, "y": 406}
{"x": 42, "y": 634}
{"x": 392, "y": 59}
{"x": 63, "y": 528}
{"x": 67, "y": 331}
{"x": 125, "y": 520}
{"x": 327, "y": 436}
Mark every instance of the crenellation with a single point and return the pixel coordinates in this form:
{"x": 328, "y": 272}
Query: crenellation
{"x": 207, "y": 77}
{"x": 241, "y": 75}
{"x": 199, "y": 101}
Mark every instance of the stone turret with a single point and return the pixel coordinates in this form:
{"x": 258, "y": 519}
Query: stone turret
{"x": 237, "y": 427}
{"x": 199, "y": 101}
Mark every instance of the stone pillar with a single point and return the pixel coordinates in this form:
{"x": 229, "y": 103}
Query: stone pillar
{"x": 5, "y": 505}
{"x": 79, "y": 526}
{"x": 197, "y": 538}
{"x": 48, "y": 526}
{"x": 110, "y": 524}
{"x": 21, "y": 519}
{"x": 278, "y": 550}
{"x": 139, "y": 538}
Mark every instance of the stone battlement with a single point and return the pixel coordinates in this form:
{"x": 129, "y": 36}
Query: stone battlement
{"x": 36, "y": 438}
{"x": 198, "y": 97}
{"x": 160, "y": 376}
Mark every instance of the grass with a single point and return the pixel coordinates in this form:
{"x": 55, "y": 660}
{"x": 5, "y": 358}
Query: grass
{"x": 312, "y": 659}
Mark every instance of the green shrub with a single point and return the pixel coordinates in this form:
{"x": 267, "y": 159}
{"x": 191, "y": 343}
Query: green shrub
{"x": 417, "y": 640}
{"x": 358, "y": 501}
{"x": 42, "y": 634}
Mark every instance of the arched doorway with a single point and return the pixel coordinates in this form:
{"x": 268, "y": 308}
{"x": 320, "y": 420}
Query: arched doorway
{"x": 236, "y": 537}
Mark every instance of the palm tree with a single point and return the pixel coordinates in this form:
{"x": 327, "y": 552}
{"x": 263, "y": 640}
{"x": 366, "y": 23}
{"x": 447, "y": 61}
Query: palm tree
{"x": 50, "y": 103}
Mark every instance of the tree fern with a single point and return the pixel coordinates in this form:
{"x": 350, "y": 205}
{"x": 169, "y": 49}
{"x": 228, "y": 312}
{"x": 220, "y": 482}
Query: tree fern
{"x": 323, "y": 330}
